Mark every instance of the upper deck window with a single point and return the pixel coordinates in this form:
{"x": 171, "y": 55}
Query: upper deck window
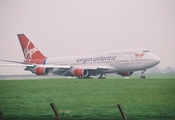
{"x": 146, "y": 51}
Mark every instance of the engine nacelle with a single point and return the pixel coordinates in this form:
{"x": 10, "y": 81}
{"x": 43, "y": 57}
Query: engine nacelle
{"x": 80, "y": 72}
{"x": 41, "y": 71}
{"x": 125, "y": 73}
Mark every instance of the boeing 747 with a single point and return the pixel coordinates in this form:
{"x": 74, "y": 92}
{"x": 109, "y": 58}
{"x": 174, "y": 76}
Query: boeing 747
{"x": 122, "y": 62}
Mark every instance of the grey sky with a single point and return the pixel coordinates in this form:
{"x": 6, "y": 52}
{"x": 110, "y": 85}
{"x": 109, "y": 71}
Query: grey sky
{"x": 78, "y": 27}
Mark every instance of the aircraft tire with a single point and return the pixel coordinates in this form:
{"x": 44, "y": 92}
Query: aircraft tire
{"x": 142, "y": 77}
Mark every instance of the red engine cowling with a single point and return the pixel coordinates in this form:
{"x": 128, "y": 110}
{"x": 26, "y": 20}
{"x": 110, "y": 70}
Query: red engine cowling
{"x": 41, "y": 71}
{"x": 80, "y": 72}
{"x": 125, "y": 73}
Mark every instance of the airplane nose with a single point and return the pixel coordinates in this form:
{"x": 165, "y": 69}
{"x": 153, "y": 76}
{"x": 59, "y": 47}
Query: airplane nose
{"x": 157, "y": 59}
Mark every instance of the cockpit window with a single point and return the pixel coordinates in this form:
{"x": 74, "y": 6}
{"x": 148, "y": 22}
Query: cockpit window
{"x": 146, "y": 51}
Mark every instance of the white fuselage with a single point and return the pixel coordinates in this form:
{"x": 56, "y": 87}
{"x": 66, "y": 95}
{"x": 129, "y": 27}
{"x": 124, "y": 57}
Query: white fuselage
{"x": 116, "y": 61}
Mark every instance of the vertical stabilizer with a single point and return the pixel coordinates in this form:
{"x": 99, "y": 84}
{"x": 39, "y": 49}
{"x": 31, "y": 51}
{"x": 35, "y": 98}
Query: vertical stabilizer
{"x": 30, "y": 51}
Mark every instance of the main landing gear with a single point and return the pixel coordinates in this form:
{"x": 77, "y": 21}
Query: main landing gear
{"x": 143, "y": 76}
{"x": 87, "y": 77}
{"x": 101, "y": 76}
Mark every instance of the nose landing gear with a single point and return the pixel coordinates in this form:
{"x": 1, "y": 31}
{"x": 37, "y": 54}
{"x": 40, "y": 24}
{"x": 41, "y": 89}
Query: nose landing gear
{"x": 143, "y": 76}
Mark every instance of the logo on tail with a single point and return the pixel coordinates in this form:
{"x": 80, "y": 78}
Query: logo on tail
{"x": 30, "y": 51}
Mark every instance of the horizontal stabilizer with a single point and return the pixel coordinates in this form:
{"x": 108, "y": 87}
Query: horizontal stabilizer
{"x": 18, "y": 65}
{"x": 14, "y": 61}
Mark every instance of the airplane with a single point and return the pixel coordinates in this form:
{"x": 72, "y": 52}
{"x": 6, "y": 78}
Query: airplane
{"x": 121, "y": 62}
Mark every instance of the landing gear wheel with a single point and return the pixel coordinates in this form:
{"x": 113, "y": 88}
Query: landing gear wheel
{"x": 101, "y": 76}
{"x": 79, "y": 77}
{"x": 88, "y": 77}
{"x": 143, "y": 77}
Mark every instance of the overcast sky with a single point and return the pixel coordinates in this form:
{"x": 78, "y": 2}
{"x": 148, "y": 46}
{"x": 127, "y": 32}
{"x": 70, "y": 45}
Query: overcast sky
{"x": 78, "y": 27}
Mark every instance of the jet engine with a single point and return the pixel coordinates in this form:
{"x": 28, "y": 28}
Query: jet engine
{"x": 125, "y": 73}
{"x": 80, "y": 72}
{"x": 41, "y": 71}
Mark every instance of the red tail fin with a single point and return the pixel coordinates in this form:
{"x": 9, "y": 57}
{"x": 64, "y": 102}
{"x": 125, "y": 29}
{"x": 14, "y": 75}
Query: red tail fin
{"x": 31, "y": 52}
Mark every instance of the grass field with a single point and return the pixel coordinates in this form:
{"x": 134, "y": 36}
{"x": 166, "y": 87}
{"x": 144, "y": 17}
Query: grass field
{"x": 152, "y": 98}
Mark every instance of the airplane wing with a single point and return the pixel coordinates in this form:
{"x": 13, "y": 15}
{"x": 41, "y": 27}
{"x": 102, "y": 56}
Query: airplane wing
{"x": 27, "y": 64}
{"x": 36, "y": 65}
{"x": 64, "y": 70}
{"x": 74, "y": 70}
{"x": 93, "y": 67}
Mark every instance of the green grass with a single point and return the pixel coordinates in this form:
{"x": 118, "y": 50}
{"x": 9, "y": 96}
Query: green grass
{"x": 152, "y": 98}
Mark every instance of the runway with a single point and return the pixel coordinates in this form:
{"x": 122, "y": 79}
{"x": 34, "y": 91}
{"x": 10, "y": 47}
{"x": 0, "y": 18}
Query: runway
{"x": 28, "y": 77}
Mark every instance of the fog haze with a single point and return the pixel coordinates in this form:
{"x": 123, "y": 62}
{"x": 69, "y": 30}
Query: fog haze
{"x": 77, "y": 27}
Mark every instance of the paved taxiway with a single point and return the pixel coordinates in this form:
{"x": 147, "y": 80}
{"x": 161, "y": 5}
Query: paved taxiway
{"x": 27, "y": 77}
